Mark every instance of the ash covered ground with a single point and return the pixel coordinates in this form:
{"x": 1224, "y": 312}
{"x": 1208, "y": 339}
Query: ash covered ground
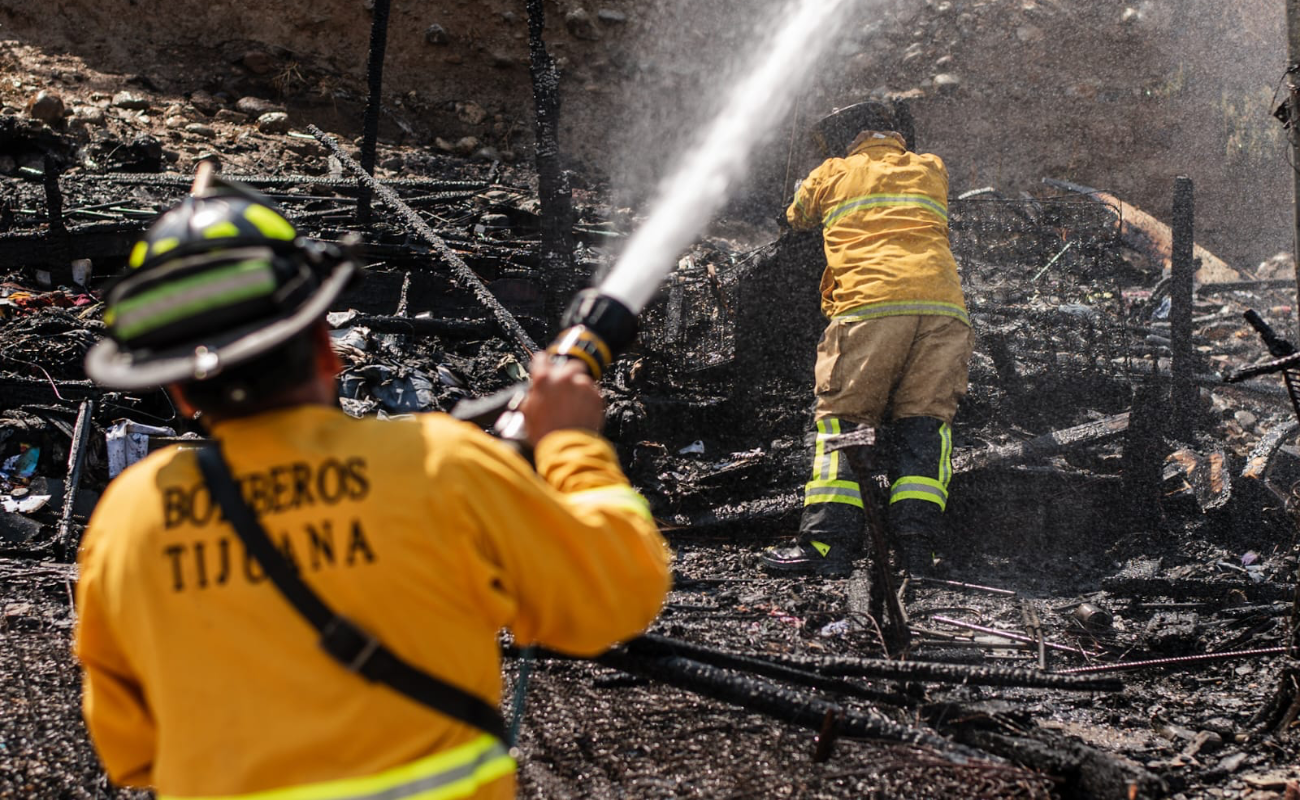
{"x": 1156, "y": 524}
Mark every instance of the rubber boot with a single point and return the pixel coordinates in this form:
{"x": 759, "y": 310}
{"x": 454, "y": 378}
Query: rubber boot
{"x": 919, "y": 489}
{"x": 830, "y": 530}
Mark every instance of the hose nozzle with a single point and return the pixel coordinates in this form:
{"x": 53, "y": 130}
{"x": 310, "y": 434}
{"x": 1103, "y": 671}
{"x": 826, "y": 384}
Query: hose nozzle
{"x": 595, "y": 328}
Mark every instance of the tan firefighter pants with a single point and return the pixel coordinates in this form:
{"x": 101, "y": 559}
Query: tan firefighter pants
{"x": 908, "y": 366}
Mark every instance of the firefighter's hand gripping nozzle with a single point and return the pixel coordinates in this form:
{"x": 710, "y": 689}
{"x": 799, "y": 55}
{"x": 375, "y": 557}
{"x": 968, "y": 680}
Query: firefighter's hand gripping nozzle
{"x": 594, "y": 330}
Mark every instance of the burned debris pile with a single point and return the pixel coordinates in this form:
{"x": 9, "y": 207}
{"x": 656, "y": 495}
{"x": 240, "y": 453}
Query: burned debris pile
{"x": 1055, "y": 570}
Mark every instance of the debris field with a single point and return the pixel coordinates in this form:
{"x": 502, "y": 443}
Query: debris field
{"x": 1115, "y": 606}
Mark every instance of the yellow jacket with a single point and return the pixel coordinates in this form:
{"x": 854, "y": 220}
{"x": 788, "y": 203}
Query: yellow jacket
{"x": 202, "y": 681}
{"x": 883, "y": 212}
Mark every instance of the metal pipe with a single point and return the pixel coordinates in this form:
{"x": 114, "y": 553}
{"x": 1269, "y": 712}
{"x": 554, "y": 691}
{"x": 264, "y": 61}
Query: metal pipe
{"x": 374, "y": 101}
{"x": 509, "y": 325}
{"x": 1173, "y": 662}
{"x": 1015, "y": 637}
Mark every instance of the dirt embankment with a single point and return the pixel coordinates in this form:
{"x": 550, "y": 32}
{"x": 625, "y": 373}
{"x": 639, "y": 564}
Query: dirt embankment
{"x": 1118, "y": 95}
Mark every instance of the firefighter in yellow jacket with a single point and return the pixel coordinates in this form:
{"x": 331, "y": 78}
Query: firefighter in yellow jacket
{"x": 425, "y": 536}
{"x": 898, "y": 344}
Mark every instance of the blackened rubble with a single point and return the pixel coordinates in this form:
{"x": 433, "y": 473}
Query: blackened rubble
{"x": 1052, "y": 569}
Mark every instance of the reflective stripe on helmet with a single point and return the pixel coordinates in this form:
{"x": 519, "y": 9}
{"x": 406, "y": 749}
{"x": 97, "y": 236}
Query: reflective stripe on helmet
{"x": 154, "y": 308}
{"x": 138, "y": 253}
{"x": 270, "y": 224}
{"x": 221, "y": 230}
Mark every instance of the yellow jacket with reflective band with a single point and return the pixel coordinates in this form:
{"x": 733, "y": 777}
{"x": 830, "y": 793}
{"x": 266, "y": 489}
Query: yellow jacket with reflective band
{"x": 202, "y": 681}
{"x": 883, "y": 212}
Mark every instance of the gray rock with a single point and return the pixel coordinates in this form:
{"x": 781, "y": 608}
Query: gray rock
{"x": 487, "y": 154}
{"x": 230, "y": 115}
{"x": 470, "y": 113}
{"x": 257, "y": 106}
{"x": 946, "y": 83}
{"x": 130, "y": 101}
{"x": 46, "y": 106}
{"x": 436, "y": 34}
{"x": 467, "y": 145}
{"x": 7, "y": 165}
{"x": 199, "y": 129}
{"x": 1246, "y": 419}
{"x": 611, "y": 16}
{"x": 86, "y": 116}
{"x": 205, "y": 103}
{"x": 502, "y": 60}
{"x": 273, "y": 122}
{"x": 509, "y": 17}
{"x": 581, "y": 25}
{"x": 1029, "y": 34}
{"x": 258, "y": 62}
{"x": 394, "y": 163}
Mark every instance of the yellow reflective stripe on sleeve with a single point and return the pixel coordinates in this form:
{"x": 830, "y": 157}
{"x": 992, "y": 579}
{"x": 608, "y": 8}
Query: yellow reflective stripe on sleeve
{"x": 820, "y": 547}
{"x": 847, "y": 492}
{"x": 916, "y": 487}
{"x": 271, "y": 224}
{"x": 923, "y": 308}
{"x": 624, "y": 497}
{"x": 453, "y": 774}
{"x": 840, "y": 210}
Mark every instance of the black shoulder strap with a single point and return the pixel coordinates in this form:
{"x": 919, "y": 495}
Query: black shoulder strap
{"x": 342, "y": 639}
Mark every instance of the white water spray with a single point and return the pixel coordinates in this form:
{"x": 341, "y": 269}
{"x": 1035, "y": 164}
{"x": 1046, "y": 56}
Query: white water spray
{"x": 694, "y": 193}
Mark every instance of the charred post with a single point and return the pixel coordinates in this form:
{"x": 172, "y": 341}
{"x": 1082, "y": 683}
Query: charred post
{"x": 1293, "y": 57}
{"x": 76, "y": 457}
{"x": 54, "y": 197}
{"x": 1182, "y": 270}
{"x": 374, "y": 103}
{"x": 555, "y": 193}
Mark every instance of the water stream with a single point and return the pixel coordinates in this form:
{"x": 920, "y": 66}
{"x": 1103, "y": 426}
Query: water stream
{"x": 690, "y": 197}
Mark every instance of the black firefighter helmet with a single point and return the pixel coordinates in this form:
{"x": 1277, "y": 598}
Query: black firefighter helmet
{"x": 218, "y": 280}
{"x": 837, "y": 130}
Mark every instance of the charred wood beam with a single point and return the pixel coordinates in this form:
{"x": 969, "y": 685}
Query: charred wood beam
{"x": 1041, "y": 446}
{"x": 93, "y": 241}
{"x": 374, "y": 100}
{"x": 1181, "y": 279}
{"x": 874, "y": 668}
{"x": 779, "y": 702}
{"x": 271, "y": 181}
{"x": 552, "y": 182}
{"x": 421, "y": 326}
{"x": 54, "y": 198}
{"x": 76, "y": 457}
{"x": 1223, "y": 591}
{"x": 509, "y": 325}
{"x": 653, "y": 646}
{"x": 1089, "y": 773}
{"x": 16, "y": 390}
